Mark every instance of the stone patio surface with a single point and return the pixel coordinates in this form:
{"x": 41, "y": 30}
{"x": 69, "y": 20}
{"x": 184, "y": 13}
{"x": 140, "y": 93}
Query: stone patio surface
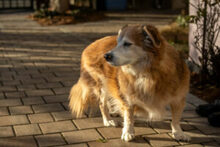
{"x": 38, "y": 66}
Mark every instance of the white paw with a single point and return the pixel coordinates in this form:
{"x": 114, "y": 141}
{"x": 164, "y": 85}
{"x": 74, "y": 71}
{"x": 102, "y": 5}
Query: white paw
{"x": 181, "y": 136}
{"x": 109, "y": 123}
{"x": 127, "y": 136}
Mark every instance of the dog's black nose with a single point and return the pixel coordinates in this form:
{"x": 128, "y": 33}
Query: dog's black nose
{"x": 108, "y": 57}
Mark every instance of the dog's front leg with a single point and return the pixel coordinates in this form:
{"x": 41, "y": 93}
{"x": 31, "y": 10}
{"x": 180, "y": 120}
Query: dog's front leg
{"x": 104, "y": 110}
{"x": 128, "y": 129}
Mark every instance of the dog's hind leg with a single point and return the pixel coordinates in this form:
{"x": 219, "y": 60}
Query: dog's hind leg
{"x": 177, "y": 109}
{"x": 104, "y": 110}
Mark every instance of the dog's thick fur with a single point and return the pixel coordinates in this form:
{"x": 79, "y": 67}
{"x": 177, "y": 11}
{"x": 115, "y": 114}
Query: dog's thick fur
{"x": 139, "y": 72}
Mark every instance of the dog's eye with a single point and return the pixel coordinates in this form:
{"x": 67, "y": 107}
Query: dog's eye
{"x": 127, "y": 44}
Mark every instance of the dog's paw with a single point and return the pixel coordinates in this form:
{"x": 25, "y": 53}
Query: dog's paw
{"x": 109, "y": 123}
{"x": 127, "y": 136}
{"x": 180, "y": 136}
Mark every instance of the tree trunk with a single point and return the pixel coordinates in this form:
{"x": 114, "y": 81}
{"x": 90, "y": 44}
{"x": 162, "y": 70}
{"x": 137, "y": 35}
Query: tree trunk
{"x": 60, "y": 6}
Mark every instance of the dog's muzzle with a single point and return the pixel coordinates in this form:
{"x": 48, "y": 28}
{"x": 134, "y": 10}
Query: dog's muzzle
{"x": 108, "y": 57}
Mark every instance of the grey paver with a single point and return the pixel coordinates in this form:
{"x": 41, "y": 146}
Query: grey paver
{"x": 23, "y": 141}
{"x": 47, "y": 108}
{"x": 63, "y": 90}
{"x": 75, "y": 145}
{"x": 40, "y": 118}
{"x": 41, "y": 92}
{"x": 10, "y": 102}
{"x": 15, "y": 94}
{"x": 89, "y": 123}
{"x": 54, "y": 127}
{"x": 81, "y": 136}
{"x": 6, "y": 132}
{"x": 56, "y": 98}
{"x": 13, "y": 120}
{"x": 3, "y": 111}
{"x": 119, "y": 143}
{"x": 50, "y": 140}
{"x": 30, "y": 129}
{"x": 161, "y": 140}
{"x": 63, "y": 115}
{"x": 33, "y": 101}
{"x": 20, "y": 110}
{"x": 7, "y": 88}
{"x": 49, "y": 85}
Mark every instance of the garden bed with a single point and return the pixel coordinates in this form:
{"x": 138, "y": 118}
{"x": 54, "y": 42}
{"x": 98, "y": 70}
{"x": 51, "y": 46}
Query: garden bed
{"x": 178, "y": 37}
{"x": 46, "y": 17}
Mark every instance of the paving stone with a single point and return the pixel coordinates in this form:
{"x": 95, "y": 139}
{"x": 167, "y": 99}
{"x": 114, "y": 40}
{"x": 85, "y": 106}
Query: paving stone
{"x": 25, "y": 141}
{"x": 50, "y": 140}
{"x": 111, "y": 132}
{"x": 42, "y": 92}
{"x": 63, "y": 90}
{"x": 3, "y": 111}
{"x": 88, "y": 123}
{"x": 40, "y": 118}
{"x": 54, "y": 127}
{"x": 216, "y": 137}
{"x": 189, "y": 107}
{"x": 119, "y": 143}
{"x": 203, "y": 125}
{"x": 13, "y": 120}
{"x": 81, "y": 136}
{"x": 192, "y": 99}
{"x": 193, "y": 145}
{"x": 161, "y": 140}
{"x": 7, "y": 88}
{"x": 63, "y": 115}
{"x": 190, "y": 114}
{"x": 6, "y": 132}
{"x": 75, "y": 145}
{"x": 10, "y": 102}
{"x": 33, "y": 101}
{"x": 15, "y": 94}
{"x": 186, "y": 126}
{"x": 20, "y": 110}
{"x": 11, "y": 83}
{"x": 30, "y": 129}
{"x": 49, "y": 85}
{"x": 68, "y": 83}
{"x": 47, "y": 108}
{"x": 161, "y": 126}
{"x": 2, "y": 96}
{"x": 66, "y": 105}
{"x": 56, "y": 98}
{"x": 33, "y": 81}
{"x": 143, "y": 129}
{"x": 25, "y": 87}
{"x": 210, "y": 144}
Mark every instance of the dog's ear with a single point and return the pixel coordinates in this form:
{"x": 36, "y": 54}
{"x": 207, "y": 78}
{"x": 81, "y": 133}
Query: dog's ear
{"x": 119, "y": 32}
{"x": 151, "y": 36}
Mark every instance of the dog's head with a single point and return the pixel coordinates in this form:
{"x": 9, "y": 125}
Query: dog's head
{"x": 134, "y": 43}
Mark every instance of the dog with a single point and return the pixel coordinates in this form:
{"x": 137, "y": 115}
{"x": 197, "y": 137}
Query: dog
{"x": 139, "y": 73}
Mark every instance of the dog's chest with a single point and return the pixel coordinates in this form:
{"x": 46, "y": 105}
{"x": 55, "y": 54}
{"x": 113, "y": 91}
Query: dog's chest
{"x": 143, "y": 87}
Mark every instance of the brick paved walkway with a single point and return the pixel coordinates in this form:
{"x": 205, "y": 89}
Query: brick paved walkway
{"x": 38, "y": 65}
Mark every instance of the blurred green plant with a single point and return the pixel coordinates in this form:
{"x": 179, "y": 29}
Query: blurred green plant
{"x": 45, "y": 13}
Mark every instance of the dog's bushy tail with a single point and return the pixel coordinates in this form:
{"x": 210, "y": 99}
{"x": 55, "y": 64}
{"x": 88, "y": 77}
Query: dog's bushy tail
{"x": 79, "y": 98}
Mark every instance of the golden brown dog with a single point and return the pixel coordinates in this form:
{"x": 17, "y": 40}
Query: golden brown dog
{"x": 137, "y": 71}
